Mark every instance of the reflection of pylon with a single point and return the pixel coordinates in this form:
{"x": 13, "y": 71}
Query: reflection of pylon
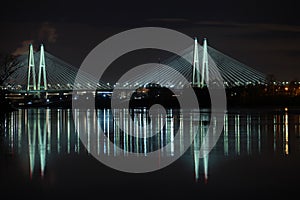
{"x": 42, "y": 132}
{"x": 205, "y": 78}
{"x": 31, "y": 132}
{"x": 196, "y": 70}
{"x": 42, "y": 70}
{"x": 31, "y": 70}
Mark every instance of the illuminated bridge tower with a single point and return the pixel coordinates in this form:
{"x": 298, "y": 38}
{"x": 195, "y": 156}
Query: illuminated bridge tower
{"x": 31, "y": 82}
{"x": 196, "y": 69}
{"x": 204, "y": 73}
{"x": 42, "y": 84}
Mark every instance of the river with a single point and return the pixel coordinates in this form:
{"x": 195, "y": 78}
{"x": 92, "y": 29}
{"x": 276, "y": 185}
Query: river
{"x": 256, "y": 155}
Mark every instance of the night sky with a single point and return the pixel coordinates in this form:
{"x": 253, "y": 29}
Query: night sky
{"x": 262, "y": 34}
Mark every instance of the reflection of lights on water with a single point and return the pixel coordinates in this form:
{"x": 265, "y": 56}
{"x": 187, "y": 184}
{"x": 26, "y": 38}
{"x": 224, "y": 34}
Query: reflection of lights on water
{"x": 58, "y": 129}
{"x": 205, "y": 163}
{"x": 52, "y": 131}
{"x": 196, "y": 156}
{"x": 248, "y": 134}
{"x": 225, "y": 136}
{"x": 237, "y": 134}
{"x": 42, "y": 140}
{"x": 19, "y": 129}
{"x": 48, "y": 125}
{"x": 197, "y": 146}
{"x": 259, "y": 135}
{"x": 31, "y": 133}
{"x": 286, "y": 131}
{"x": 274, "y": 132}
{"x": 69, "y": 131}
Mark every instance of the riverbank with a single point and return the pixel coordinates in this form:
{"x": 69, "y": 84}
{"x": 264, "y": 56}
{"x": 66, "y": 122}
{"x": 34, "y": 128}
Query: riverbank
{"x": 162, "y": 96}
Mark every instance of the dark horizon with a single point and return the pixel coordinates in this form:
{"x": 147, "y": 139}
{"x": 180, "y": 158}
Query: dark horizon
{"x": 263, "y": 35}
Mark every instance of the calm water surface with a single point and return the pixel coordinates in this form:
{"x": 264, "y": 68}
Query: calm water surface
{"x": 257, "y": 154}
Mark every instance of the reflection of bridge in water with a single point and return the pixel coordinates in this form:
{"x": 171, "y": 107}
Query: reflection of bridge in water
{"x": 38, "y": 134}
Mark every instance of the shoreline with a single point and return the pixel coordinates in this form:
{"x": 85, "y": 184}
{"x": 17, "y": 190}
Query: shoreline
{"x": 140, "y": 99}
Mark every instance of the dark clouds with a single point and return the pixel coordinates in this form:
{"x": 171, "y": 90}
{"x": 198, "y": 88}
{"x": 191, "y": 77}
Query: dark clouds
{"x": 134, "y": 12}
{"x": 23, "y": 48}
{"x": 46, "y": 32}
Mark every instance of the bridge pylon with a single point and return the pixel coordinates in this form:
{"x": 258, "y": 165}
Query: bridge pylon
{"x": 204, "y": 73}
{"x": 196, "y": 70}
{"x": 42, "y": 84}
{"x": 31, "y": 82}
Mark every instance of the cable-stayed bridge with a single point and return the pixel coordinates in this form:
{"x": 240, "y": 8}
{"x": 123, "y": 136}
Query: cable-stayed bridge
{"x": 41, "y": 71}
{"x": 206, "y": 61}
{"x": 59, "y": 75}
